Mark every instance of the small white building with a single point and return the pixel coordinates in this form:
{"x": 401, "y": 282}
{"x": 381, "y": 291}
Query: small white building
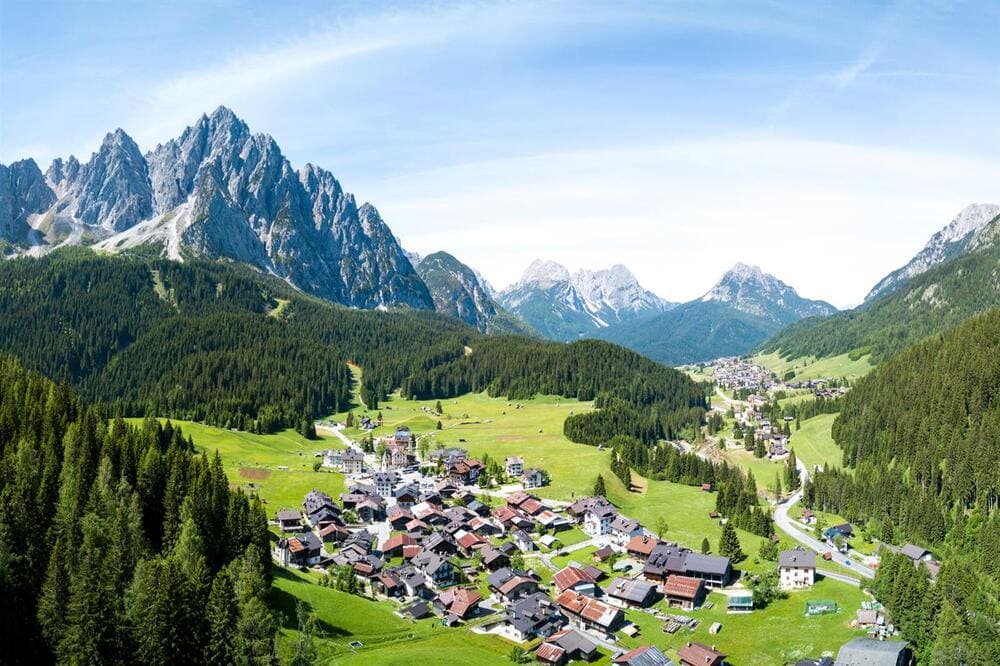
{"x": 514, "y": 466}
{"x": 598, "y": 519}
{"x": 796, "y": 569}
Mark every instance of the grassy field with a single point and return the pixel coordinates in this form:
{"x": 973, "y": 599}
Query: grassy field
{"x": 387, "y": 638}
{"x": 262, "y": 455}
{"x": 778, "y": 634}
{"x": 814, "y": 368}
{"x": 813, "y": 443}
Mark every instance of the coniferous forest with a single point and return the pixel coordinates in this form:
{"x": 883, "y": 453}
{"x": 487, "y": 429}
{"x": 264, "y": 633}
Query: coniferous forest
{"x": 119, "y": 544}
{"x": 920, "y": 438}
{"x": 219, "y": 343}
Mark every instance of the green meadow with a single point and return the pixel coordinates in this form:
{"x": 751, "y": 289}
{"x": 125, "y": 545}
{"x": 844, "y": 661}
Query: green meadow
{"x": 816, "y": 368}
{"x": 279, "y": 467}
{"x": 779, "y": 634}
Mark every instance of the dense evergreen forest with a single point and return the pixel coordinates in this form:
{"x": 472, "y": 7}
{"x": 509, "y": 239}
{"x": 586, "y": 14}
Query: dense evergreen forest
{"x": 920, "y": 436}
{"x": 118, "y": 544}
{"x": 933, "y": 302}
{"x": 219, "y": 343}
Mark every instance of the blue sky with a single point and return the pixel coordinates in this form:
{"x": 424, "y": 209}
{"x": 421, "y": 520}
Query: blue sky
{"x": 822, "y": 141}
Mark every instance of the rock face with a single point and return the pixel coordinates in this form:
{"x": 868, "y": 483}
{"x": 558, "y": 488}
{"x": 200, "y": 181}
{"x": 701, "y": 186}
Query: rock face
{"x": 23, "y": 192}
{"x": 220, "y": 191}
{"x": 750, "y": 290}
{"x": 964, "y": 233}
{"x": 562, "y": 306}
{"x": 460, "y": 292}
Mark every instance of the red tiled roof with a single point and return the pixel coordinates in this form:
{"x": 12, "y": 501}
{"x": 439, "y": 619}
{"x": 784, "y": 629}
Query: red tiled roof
{"x": 464, "y": 601}
{"x": 532, "y": 506}
{"x": 410, "y": 552}
{"x": 398, "y": 541}
{"x": 567, "y": 577}
{"x": 642, "y": 544}
{"x": 702, "y": 655}
{"x": 684, "y": 587}
{"x": 549, "y": 652}
{"x": 589, "y": 609}
{"x": 513, "y": 583}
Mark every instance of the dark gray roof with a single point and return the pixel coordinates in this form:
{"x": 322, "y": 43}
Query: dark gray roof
{"x": 289, "y": 514}
{"x": 870, "y": 652}
{"x": 535, "y": 614}
{"x": 633, "y": 590}
{"x": 913, "y": 552}
{"x": 797, "y": 558}
{"x": 709, "y": 564}
{"x": 573, "y": 641}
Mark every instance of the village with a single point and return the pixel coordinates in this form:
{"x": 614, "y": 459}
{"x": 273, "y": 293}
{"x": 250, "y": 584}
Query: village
{"x": 421, "y": 529}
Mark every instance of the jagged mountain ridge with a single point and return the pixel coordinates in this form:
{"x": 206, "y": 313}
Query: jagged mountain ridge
{"x": 743, "y": 309}
{"x": 460, "y": 292}
{"x": 964, "y": 233}
{"x": 564, "y": 306}
{"x": 217, "y": 191}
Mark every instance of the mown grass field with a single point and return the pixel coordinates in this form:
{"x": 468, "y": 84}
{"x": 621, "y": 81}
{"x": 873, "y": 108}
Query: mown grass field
{"x": 779, "y": 634}
{"x": 264, "y": 454}
{"x": 834, "y": 367}
{"x": 814, "y": 444}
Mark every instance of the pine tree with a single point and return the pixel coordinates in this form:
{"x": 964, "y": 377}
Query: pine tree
{"x": 705, "y": 547}
{"x": 599, "y": 489}
{"x": 305, "y": 650}
{"x": 221, "y": 615}
{"x": 729, "y": 544}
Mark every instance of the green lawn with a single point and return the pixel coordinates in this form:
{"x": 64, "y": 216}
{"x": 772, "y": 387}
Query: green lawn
{"x": 814, "y": 445}
{"x": 778, "y": 634}
{"x": 813, "y": 368}
{"x": 387, "y": 638}
{"x": 283, "y": 488}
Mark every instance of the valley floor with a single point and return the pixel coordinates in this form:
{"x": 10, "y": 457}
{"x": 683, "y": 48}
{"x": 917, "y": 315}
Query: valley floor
{"x": 279, "y": 468}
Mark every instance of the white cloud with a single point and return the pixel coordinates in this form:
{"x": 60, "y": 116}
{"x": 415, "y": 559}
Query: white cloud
{"x": 830, "y": 219}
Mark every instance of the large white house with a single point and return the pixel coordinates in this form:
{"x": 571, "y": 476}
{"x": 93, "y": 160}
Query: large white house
{"x": 598, "y": 519}
{"x": 796, "y": 569}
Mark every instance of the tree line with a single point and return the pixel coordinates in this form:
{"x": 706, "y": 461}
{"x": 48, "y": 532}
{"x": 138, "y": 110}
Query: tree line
{"x": 195, "y": 341}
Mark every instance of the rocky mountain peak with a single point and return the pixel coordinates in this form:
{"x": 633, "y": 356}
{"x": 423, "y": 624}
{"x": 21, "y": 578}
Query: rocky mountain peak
{"x": 544, "y": 271}
{"x": 966, "y": 231}
{"x": 23, "y": 192}
{"x": 750, "y": 290}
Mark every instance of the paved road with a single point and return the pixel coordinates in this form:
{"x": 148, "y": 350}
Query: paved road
{"x": 837, "y": 576}
{"x": 787, "y": 525}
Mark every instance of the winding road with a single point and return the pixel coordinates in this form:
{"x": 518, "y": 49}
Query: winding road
{"x": 788, "y": 526}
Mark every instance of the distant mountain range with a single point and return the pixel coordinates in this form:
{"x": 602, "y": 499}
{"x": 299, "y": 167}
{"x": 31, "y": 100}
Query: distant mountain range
{"x": 955, "y": 276}
{"x": 734, "y": 316}
{"x": 738, "y": 313}
{"x": 562, "y": 306}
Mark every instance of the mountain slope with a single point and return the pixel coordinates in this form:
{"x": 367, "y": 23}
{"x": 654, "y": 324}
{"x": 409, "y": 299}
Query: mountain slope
{"x": 934, "y": 301}
{"x": 458, "y": 292}
{"x": 962, "y": 234}
{"x": 562, "y": 306}
{"x": 219, "y": 191}
{"x": 741, "y": 311}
